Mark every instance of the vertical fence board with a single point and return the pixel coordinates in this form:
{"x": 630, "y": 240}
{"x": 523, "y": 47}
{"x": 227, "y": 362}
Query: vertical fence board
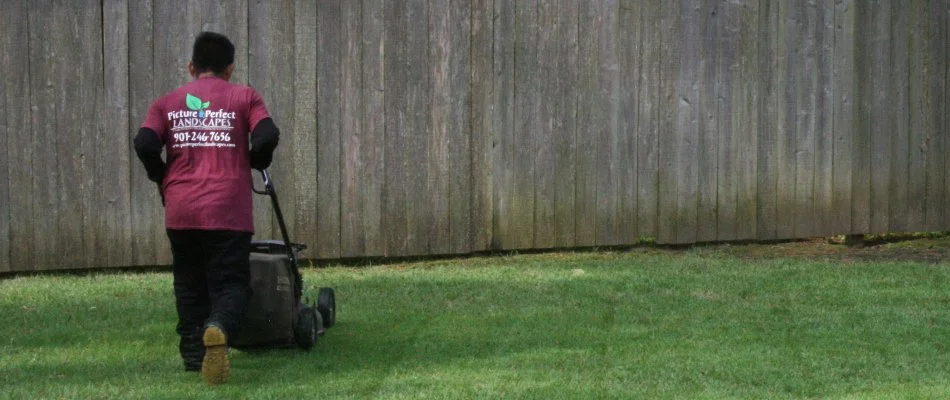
{"x": 353, "y": 153}
{"x": 861, "y": 140}
{"x": 439, "y": 170}
{"x": 881, "y": 114}
{"x": 46, "y": 179}
{"x": 503, "y": 51}
{"x": 918, "y": 125}
{"x": 526, "y": 125}
{"x": 482, "y": 89}
{"x": 147, "y": 217}
{"x": 628, "y": 44}
{"x": 329, "y": 125}
{"x": 16, "y": 235}
{"x": 416, "y": 153}
{"x": 459, "y": 133}
{"x": 765, "y": 154}
{"x": 803, "y": 84}
{"x": 394, "y": 222}
{"x": 823, "y": 213}
{"x": 726, "y": 49}
{"x": 934, "y": 44}
{"x": 687, "y": 127}
{"x": 302, "y": 136}
{"x": 647, "y": 166}
{"x": 843, "y": 111}
{"x": 897, "y": 76}
{"x": 113, "y": 228}
{"x": 548, "y": 118}
{"x": 374, "y": 126}
{"x": 744, "y": 95}
{"x": 88, "y": 122}
{"x": 585, "y": 175}
{"x": 565, "y": 110}
{"x": 605, "y": 109}
{"x": 786, "y": 74}
{"x": 708, "y": 135}
{"x": 271, "y": 31}
{"x": 671, "y": 41}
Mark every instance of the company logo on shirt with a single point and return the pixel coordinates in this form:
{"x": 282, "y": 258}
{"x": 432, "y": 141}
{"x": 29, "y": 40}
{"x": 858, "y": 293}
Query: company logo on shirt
{"x": 194, "y": 103}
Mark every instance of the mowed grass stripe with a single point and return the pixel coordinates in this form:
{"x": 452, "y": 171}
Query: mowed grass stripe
{"x": 641, "y": 324}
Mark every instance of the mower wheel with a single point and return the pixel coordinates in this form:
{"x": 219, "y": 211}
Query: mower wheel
{"x": 326, "y": 304}
{"x": 308, "y": 323}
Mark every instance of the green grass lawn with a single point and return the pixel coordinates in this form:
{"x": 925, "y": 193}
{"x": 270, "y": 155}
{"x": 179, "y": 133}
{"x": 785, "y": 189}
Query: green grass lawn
{"x": 640, "y": 324}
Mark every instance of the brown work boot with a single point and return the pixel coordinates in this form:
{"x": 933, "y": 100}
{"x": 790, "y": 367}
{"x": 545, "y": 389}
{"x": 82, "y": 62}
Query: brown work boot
{"x": 215, "y": 367}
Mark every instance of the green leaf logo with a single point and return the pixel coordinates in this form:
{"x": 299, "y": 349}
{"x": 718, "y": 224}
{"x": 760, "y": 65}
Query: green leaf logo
{"x": 194, "y": 103}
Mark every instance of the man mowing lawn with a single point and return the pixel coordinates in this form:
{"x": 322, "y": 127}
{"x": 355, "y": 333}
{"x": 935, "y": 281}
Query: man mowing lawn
{"x": 206, "y": 190}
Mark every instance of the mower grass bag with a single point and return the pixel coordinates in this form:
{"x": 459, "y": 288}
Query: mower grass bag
{"x": 274, "y": 309}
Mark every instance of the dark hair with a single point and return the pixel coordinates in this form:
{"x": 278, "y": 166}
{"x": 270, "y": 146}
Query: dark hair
{"x": 212, "y": 52}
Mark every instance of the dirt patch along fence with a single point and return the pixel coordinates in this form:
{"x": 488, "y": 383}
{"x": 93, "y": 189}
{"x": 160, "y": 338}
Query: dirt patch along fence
{"x": 435, "y": 127}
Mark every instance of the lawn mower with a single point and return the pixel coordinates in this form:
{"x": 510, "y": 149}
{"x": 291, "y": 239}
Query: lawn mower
{"x": 277, "y": 316}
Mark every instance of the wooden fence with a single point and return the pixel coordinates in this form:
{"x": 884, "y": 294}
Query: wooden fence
{"x": 417, "y": 127}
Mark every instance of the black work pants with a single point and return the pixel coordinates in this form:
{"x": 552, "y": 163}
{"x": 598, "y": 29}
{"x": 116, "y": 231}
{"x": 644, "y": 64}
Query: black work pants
{"x": 211, "y": 280}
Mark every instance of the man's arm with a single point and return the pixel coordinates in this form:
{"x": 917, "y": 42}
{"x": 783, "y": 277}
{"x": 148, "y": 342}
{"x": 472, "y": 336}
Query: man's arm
{"x": 148, "y": 147}
{"x": 264, "y": 140}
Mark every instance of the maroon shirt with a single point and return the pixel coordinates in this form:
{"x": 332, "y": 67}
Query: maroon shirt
{"x": 205, "y": 127}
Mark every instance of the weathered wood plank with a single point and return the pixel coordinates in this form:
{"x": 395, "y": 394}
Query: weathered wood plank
{"x": 271, "y": 34}
{"x": 352, "y": 239}
{"x": 459, "y": 134}
{"x": 901, "y": 183}
{"x": 113, "y": 228}
{"x": 687, "y": 124}
{"x": 767, "y": 140}
{"x": 823, "y": 214}
{"x": 374, "y": 126}
{"x": 87, "y": 123}
{"x": 861, "y": 142}
{"x": 669, "y": 130}
{"x": 229, "y": 18}
{"x": 803, "y": 83}
{"x": 787, "y": 74}
{"x": 543, "y": 136}
{"x": 416, "y": 152}
{"x": 629, "y": 50}
{"x": 918, "y": 123}
{"x": 438, "y": 171}
{"x": 526, "y": 124}
{"x": 606, "y": 114}
{"x": 503, "y": 123}
{"x": 482, "y": 88}
{"x": 16, "y": 135}
{"x": 149, "y": 243}
{"x": 586, "y": 134}
{"x": 394, "y": 221}
{"x": 329, "y": 125}
{"x": 934, "y": 43}
{"x": 881, "y": 114}
{"x": 647, "y": 145}
{"x": 726, "y": 50}
{"x": 744, "y": 93}
{"x": 945, "y": 51}
{"x": 565, "y": 132}
{"x": 844, "y": 126}
{"x": 708, "y": 138}
{"x": 302, "y": 136}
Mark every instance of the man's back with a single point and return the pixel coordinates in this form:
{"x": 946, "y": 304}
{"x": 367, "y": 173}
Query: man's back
{"x": 204, "y": 126}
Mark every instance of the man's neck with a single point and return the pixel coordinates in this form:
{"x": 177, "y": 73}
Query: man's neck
{"x": 206, "y": 75}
